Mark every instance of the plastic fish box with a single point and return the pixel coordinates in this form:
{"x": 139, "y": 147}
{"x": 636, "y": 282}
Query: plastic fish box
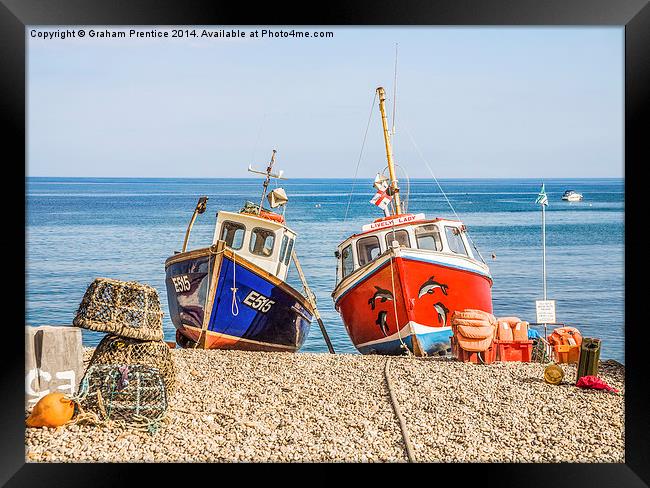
{"x": 566, "y": 353}
{"x": 521, "y": 351}
{"x": 484, "y": 357}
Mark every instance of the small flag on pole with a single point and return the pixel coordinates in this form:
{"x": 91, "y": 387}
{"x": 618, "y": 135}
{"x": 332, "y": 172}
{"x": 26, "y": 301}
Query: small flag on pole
{"x": 542, "y": 198}
{"x": 381, "y": 198}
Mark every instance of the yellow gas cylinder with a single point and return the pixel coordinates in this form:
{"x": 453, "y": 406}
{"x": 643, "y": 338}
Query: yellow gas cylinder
{"x": 53, "y": 410}
{"x": 553, "y": 374}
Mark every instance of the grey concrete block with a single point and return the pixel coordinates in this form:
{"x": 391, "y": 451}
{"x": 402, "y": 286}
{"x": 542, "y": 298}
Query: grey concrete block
{"x": 53, "y": 361}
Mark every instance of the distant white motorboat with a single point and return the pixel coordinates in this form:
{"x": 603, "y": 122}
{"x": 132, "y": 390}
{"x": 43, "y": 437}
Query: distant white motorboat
{"x": 572, "y": 196}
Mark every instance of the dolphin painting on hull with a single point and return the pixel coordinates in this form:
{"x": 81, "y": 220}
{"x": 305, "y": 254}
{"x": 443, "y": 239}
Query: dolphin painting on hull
{"x": 381, "y": 322}
{"x": 382, "y": 294}
{"x": 430, "y": 286}
{"x": 442, "y": 313}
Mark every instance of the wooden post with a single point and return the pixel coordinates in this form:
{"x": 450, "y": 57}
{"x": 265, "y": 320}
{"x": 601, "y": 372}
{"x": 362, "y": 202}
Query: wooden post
{"x": 200, "y": 208}
{"x": 312, "y": 300}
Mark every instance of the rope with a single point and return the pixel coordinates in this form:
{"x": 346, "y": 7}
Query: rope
{"x": 363, "y": 144}
{"x": 392, "y": 282}
{"x": 405, "y": 201}
{"x": 234, "y": 308}
{"x": 402, "y": 423}
{"x": 442, "y": 191}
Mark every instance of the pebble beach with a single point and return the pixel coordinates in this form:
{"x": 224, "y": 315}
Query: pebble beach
{"x": 234, "y": 406}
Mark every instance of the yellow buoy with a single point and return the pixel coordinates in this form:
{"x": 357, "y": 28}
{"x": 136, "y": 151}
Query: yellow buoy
{"x": 53, "y": 410}
{"x": 553, "y": 374}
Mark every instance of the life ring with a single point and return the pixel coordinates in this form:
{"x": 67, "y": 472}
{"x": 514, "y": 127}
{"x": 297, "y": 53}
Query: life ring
{"x": 272, "y": 216}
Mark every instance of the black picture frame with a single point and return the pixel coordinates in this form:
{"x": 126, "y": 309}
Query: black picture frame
{"x": 15, "y": 15}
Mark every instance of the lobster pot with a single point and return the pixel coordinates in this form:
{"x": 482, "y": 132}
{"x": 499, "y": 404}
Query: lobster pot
{"x": 134, "y": 394}
{"x": 124, "y": 308}
{"x": 122, "y": 350}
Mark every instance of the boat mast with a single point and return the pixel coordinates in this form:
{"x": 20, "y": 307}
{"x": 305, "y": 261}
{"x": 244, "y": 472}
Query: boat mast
{"x": 389, "y": 152}
{"x": 266, "y": 181}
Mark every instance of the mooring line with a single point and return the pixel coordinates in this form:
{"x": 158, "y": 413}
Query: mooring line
{"x": 363, "y": 144}
{"x": 402, "y": 423}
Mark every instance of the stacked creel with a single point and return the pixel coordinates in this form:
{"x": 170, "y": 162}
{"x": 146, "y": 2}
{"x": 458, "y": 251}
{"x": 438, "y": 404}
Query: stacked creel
{"x": 124, "y": 308}
{"x": 114, "y": 349}
{"x": 129, "y": 312}
{"x": 131, "y": 394}
{"x": 474, "y": 331}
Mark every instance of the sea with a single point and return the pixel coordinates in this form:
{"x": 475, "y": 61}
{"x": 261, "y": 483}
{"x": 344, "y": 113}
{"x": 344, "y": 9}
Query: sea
{"x": 78, "y": 229}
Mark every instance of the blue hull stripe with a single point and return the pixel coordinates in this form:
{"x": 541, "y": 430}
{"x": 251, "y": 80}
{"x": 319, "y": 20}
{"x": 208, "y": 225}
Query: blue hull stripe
{"x": 447, "y": 265}
{"x": 432, "y": 343}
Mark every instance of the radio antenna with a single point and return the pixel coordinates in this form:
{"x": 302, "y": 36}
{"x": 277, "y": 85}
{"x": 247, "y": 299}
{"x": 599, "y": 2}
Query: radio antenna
{"x": 268, "y": 175}
{"x": 394, "y": 94}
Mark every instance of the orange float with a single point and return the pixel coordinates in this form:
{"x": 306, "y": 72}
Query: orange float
{"x": 53, "y": 410}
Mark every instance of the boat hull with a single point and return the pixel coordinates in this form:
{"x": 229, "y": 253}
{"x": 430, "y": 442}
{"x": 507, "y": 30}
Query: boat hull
{"x": 405, "y": 299}
{"x": 266, "y": 315}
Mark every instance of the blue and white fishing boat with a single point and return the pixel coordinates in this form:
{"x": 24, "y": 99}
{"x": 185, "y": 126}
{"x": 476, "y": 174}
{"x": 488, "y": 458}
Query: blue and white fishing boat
{"x": 233, "y": 294}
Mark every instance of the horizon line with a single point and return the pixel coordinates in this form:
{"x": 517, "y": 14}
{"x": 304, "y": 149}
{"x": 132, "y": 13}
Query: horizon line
{"x": 331, "y": 178}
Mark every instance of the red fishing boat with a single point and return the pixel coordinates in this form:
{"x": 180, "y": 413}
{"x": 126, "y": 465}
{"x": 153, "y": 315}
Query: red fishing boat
{"x": 401, "y": 278}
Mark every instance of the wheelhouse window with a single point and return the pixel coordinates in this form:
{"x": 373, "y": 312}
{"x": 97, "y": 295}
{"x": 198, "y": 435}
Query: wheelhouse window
{"x": 401, "y": 236}
{"x": 455, "y": 240}
{"x": 347, "y": 261}
{"x": 289, "y": 249}
{"x": 472, "y": 251}
{"x": 428, "y": 237}
{"x": 233, "y": 234}
{"x": 283, "y": 247}
{"x": 367, "y": 249}
{"x": 262, "y": 241}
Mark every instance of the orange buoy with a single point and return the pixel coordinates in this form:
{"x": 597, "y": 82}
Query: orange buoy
{"x": 53, "y": 410}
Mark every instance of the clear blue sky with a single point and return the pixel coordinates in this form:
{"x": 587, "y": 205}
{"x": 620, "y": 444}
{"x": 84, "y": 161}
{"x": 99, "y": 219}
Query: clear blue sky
{"x": 479, "y": 102}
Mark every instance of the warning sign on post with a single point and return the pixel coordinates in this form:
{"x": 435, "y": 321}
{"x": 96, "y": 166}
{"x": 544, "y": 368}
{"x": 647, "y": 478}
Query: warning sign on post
{"x": 545, "y": 311}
